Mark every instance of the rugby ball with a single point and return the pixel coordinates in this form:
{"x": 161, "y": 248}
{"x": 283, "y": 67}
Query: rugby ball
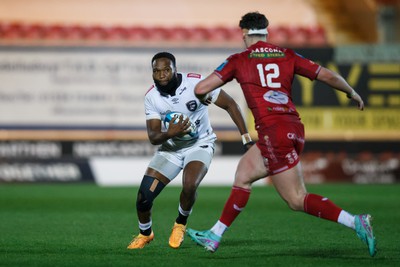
{"x": 192, "y": 134}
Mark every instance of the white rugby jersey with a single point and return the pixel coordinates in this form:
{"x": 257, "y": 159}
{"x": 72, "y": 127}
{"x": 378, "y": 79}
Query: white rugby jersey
{"x": 184, "y": 101}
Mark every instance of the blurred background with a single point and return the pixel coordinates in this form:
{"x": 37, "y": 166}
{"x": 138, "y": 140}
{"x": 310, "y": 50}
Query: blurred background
{"x": 74, "y": 73}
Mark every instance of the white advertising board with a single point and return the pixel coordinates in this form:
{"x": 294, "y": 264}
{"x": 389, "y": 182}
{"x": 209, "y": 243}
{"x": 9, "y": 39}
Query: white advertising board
{"x": 129, "y": 171}
{"x": 90, "y": 88}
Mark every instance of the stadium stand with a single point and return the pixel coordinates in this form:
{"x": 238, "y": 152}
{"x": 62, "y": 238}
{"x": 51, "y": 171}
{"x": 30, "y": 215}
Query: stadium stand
{"x": 182, "y": 23}
{"x": 134, "y": 23}
{"x": 24, "y": 33}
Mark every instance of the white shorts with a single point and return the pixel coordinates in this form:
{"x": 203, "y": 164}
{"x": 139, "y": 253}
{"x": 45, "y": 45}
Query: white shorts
{"x": 170, "y": 163}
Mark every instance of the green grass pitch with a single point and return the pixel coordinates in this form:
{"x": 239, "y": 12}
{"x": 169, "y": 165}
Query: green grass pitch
{"x": 85, "y": 225}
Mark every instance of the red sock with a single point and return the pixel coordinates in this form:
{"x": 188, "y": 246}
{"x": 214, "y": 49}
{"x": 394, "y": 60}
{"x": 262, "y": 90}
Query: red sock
{"x": 234, "y": 205}
{"x": 321, "y": 207}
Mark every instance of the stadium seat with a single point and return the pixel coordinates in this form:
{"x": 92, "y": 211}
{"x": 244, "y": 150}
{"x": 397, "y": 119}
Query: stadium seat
{"x": 297, "y": 36}
{"x": 11, "y": 30}
{"x": 74, "y": 32}
{"x": 158, "y": 34}
{"x": 219, "y": 34}
{"x": 178, "y": 34}
{"x": 32, "y": 31}
{"x": 317, "y": 36}
{"x": 95, "y": 33}
{"x": 117, "y": 33}
{"x": 199, "y": 34}
{"x": 235, "y": 34}
{"x": 278, "y": 35}
{"x": 137, "y": 33}
{"x": 54, "y": 32}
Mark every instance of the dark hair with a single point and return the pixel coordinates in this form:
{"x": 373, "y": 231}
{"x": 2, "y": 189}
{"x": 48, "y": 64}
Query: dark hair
{"x": 164, "y": 55}
{"x": 253, "y": 20}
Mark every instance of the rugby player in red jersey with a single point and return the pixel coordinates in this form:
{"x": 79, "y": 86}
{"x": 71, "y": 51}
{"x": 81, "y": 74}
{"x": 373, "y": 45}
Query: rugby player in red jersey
{"x": 265, "y": 73}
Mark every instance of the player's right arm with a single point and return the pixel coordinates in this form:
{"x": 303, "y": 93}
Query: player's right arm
{"x": 157, "y": 136}
{"x": 207, "y": 85}
{"x": 153, "y": 121}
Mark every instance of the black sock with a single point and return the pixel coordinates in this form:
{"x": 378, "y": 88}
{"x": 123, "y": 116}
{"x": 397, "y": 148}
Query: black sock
{"x": 182, "y": 219}
{"x": 146, "y": 232}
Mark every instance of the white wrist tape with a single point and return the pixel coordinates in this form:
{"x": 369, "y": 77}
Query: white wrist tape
{"x": 246, "y": 138}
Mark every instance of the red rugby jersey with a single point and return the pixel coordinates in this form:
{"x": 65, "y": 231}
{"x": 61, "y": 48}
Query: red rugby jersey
{"x": 265, "y": 73}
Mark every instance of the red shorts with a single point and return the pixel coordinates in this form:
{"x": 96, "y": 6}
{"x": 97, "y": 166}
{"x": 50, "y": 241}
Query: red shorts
{"x": 281, "y": 144}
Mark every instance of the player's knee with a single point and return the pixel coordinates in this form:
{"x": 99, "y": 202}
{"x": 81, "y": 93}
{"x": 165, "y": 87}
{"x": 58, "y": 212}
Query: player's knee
{"x": 295, "y": 203}
{"x": 142, "y": 203}
{"x": 242, "y": 179}
{"x": 294, "y": 206}
{"x": 148, "y": 191}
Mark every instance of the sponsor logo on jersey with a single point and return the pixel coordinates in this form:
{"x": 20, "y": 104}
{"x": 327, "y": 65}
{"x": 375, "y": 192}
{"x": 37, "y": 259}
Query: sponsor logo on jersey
{"x": 182, "y": 90}
{"x": 266, "y": 55}
{"x": 293, "y": 136}
{"x": 191, "y": 105}
{"x": 193, "y": 75}
{"x": 276, "y": 97}
{"x": 266, "y": 52}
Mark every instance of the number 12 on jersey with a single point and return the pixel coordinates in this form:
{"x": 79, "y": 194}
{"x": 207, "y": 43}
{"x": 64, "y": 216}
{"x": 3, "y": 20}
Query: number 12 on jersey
{"x": 267, "y": 73}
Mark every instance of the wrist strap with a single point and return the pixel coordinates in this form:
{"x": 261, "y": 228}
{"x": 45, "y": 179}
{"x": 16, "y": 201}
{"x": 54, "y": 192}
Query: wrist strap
{"x": 351, "y": 94}
{"x": 246, "y": 138}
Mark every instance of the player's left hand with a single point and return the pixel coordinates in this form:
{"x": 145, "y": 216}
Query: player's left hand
{"x": 179, "y": 128}
{"x": 356, "y": 97}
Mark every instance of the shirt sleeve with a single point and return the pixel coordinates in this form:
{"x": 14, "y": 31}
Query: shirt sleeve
{"x": 214, "y": 94}
{"x": 226, "y": 71}
{"x": 306, "y": 67}
{"x": 149, "y": 109}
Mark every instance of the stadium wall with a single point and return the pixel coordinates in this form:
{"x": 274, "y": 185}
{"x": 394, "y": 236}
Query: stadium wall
{"x": 121, "y": 163}
{"x": 97, "y": 93}
{"x": 75, "y": 114}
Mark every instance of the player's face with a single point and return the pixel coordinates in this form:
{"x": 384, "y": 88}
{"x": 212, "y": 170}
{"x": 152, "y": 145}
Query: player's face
{"x": 163, "y": 70}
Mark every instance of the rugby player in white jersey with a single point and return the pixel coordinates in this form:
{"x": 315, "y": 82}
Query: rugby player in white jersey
{"x": 174, "y": 92}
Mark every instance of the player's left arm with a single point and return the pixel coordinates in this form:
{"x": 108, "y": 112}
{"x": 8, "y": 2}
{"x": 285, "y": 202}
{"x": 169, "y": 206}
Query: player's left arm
{"x": 311, "y": 70}
{"x": 336, "y": 81}
{"x": 226, "y": 102}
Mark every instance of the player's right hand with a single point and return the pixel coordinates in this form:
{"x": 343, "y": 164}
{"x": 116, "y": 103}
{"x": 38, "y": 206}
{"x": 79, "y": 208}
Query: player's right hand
{"x": 205, "y": 99}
